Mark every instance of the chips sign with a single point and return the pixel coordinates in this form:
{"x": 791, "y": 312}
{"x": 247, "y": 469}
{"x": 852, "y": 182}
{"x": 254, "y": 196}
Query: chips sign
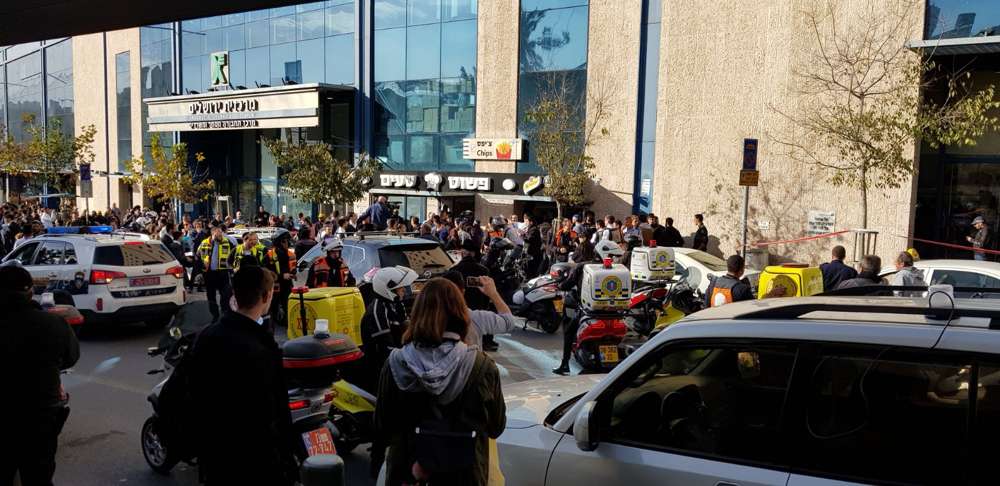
{"x": 491, "y": 148}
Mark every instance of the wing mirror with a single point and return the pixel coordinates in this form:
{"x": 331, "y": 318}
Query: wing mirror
{"x": 585, "y": 427}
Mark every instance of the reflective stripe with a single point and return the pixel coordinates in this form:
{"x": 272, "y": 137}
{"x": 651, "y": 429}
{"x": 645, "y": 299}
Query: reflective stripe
{"x": 384, "y": 331}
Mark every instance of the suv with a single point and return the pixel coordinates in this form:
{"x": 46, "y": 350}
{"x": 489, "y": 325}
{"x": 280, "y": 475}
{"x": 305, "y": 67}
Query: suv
{"x": 805, "y": 391}
{"x": 111, "y": 277}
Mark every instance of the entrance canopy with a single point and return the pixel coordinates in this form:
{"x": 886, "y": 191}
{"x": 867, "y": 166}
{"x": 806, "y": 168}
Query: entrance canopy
{"x": 278, "y": 107}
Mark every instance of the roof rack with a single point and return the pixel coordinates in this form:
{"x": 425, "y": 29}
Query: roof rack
{"x": 892, "y": 290}
{"x": 799, "y": 309}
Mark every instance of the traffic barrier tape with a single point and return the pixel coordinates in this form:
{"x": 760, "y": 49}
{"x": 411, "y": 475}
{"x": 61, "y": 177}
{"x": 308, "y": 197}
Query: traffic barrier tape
{"x": 799, "y": 240}
{"x": 951, "y": 245}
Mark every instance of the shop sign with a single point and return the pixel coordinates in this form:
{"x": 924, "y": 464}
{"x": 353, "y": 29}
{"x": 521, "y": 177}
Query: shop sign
{"x": 220, "y": 68}
{"x": 397, "y": 180}
{"x": 436, "y": 182}
{"x": 458, "y": 183}
{"x": 821, "y": 222}
{"x": 278, "y": 107}
{"x": 491, "y": 148}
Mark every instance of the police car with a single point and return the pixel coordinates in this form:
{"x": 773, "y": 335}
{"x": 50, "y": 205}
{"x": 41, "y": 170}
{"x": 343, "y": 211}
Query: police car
{"x": 112, "y": 277}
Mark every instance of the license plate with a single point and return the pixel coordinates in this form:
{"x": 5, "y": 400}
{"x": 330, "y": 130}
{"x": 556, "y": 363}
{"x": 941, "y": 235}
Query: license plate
{"x": 319, "y": 441}
{"x": 558, "y": 304}
{"x": 144, "y": 281}
{"x": 609, "y": 353}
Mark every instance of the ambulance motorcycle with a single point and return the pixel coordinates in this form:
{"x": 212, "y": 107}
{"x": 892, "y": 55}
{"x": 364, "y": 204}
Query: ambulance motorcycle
{"x": 604, "y": 298}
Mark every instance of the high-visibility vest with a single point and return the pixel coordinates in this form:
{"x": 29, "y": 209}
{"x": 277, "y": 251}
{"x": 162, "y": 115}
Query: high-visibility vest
{"x": 225, "y": 248}
{"x": 321, "y": 273}
{"x": 257, "y": 252}
{"x": 722, "y": 291}
{"x": 272, "y": 254}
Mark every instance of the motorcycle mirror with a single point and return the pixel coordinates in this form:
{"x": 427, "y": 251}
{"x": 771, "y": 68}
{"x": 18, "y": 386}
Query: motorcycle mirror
{"x": 175, "y": 332}
{"x": 584, "y": 426}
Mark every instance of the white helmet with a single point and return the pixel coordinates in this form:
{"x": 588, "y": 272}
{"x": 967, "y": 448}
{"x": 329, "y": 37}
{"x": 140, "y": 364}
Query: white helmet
{"x": 608, "y": 249}
{"x": 387, "y": 280}
{"x": 333, "y": 244}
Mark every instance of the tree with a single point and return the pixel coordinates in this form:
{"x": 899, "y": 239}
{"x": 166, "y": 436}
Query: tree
{"x": 12, "y": 159}
{"x": 560, "y": 131}
{"x": 51, "y": 153}
{"x": 169, "y": 177}
{"x": 865, "y": 99}
{"x": 313, "y": 174}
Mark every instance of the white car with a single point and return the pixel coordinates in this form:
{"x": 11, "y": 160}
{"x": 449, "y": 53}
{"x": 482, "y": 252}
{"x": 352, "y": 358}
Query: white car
{"x": 810, "y": 391}
{"x": 695, "y": 266}
{"x": 111, "y": 277}
{"x": 957, "y": 273}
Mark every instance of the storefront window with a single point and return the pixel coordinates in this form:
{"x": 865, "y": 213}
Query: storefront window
{"x": 24, "y": 92}
{"x": 553, "y": 58}
{"x": 952, "y": 191}
{"x": 951, "y": 19}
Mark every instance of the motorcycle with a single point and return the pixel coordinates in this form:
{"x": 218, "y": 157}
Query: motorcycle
{"x": 507, "y": 264}
{"x": 654, "y": 307}
{"x": 539, "y": 300}
{"x": 310, "y": 364}
{"x": 598, "y": 339}
{"x": 352, "y": 412}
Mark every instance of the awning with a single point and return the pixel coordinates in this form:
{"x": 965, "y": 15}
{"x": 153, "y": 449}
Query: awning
{"x": 957, "y": 47}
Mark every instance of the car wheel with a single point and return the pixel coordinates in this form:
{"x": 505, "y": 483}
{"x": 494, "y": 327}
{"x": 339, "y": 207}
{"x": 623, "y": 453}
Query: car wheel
{"x": 153, "y": 451}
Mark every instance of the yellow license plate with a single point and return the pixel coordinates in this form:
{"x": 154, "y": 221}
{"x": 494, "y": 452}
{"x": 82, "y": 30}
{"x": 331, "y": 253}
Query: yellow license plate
{"x": 609, "y": 353}
{"x": 558, "y": 304}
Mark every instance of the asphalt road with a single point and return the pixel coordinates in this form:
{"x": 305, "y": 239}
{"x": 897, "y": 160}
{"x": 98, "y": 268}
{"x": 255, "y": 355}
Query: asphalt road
{"x": 108, "y": 387}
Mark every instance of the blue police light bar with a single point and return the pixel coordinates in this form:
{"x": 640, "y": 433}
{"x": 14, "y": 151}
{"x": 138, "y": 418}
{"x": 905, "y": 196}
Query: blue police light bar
{"x": 63, "y": 230}
{"x": 75, "y": 230}
{"x": 101, "y": 230}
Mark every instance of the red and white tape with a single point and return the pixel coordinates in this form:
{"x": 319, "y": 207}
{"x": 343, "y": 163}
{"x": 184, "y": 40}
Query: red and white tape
{"x": 799, "y": 240}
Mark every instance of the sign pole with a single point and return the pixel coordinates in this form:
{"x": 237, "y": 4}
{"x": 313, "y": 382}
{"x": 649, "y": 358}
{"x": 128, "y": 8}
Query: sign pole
{"x": 749, "y": 176}
{"x": 746, "y": 216}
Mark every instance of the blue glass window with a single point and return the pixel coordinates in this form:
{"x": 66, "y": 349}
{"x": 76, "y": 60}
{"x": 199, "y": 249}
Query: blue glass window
{"x": 234, "y": 19}
{"x": 305, "y": 7}
{"x": 285, "y": 65}
{"x": 310, "y": 53}
{"x": 390, "y": 55}
{"x": 258, "y": 33}
{"x": 340, "y": 19}
{"x": 312, "y": 24}
{"x": 390, "y": 106}
{"x": 423, "y": 106}
{"x": 234, "y": 38}
{"x": 421, "y": 154}
{"x": 211, "y": 23}
{"x": 458, "y": 105}
{"x": 237, "y": 68}
{"x": 554, "y": 40}
{"x": 451, "y": 155}
{"x": 458, "y": 9}
{"x": 423, "y": 12}
{"x": 194, "y": 73}
{"x": 192, "y": 42}
{"x": 283, "y": 29}
{"x": 258, "y": 67}
{"x": 423, "y": 52}
{"x": 339, "y": 64}
{"x": 390, "y": 13}
{"x": 528, "y": 5}
{"x": 458, "y": 52}
{"x": 123, "y": 107}
{"x": 950, "y": 19}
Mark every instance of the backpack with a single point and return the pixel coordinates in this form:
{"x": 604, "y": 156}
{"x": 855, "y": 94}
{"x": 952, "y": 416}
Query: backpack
{"x": 442, "y": 444}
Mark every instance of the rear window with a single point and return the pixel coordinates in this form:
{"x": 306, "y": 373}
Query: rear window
{"x": 418, "y": 258}
{"x": 132, "y": 254}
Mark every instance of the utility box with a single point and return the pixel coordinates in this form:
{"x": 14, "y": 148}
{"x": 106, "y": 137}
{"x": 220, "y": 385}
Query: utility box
{"x": 343, "y": 307}
{"x": 606, "y": 287}
{"x": 798, "y": 280}
{"x": 652, "y": 264}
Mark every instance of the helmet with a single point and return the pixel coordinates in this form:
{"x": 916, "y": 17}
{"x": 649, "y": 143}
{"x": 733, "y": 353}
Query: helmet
{"x": 388, "y": 279}
{"x": 281, "y": 234}
{"x": 334, "y": 244}
{"x": 608, "y": 249}
{"x": 497, "y": 222}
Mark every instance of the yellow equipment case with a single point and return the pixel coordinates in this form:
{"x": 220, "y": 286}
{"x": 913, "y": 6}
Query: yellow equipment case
{"x": 343, "y": 307}
{"x": 799, "y": 280}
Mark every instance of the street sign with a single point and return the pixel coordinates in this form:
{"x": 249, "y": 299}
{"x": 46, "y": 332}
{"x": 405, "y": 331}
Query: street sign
{"x": 750, "y": 154}
{"x": 86, "y": 188}
{"x": 84, "y": 172}
{"x": 749, "y": 178}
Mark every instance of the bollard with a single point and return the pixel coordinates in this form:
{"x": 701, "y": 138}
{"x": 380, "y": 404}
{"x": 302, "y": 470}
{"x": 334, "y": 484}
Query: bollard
{"x": 322, "y": 470}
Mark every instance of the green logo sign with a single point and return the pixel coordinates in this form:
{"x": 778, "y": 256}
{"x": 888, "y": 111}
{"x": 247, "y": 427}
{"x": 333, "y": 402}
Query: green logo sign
{"x": 220, "y": 68}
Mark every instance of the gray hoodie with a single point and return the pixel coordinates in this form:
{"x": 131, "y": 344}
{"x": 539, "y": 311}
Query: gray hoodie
{"x": 909, "y": 277}
{"x": 441, "y": 371}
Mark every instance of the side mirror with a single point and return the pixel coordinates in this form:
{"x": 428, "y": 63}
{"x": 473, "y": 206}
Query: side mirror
{"x": 322, "y": 470}
{"x": 584, "y": 427}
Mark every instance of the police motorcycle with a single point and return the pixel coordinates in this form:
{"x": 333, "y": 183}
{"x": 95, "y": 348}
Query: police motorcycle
{"x": 311, "y": 365}
{"x": 539, "y": 300}
{"x": 605, "y": 291}
{"x": 505, "y": 261}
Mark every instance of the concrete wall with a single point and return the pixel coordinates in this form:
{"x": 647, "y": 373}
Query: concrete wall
{"x": 723, "y": 65}
{"x": 90, "y": 66}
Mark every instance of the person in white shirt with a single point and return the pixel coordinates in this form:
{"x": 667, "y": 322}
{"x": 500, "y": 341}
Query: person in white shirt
{"x": 46, "y": 218}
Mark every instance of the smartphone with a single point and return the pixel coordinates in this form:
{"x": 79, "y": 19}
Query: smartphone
{"x": 472, "y": 282}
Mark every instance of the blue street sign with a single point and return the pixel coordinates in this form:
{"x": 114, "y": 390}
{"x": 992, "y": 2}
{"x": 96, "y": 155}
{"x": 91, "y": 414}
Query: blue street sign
{"x": 84, "y": 172}
{"x": 749, "y": 154}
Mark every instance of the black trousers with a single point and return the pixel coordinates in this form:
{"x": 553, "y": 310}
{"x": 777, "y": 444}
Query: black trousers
{"x": 29, "y": 446}
{"x": 218, "y": 284}
{"x": 279, "y": 305}
{"x": 570, "y": 327}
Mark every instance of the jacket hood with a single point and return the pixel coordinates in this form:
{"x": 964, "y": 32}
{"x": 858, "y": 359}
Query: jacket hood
{"x": 441, "y": 371}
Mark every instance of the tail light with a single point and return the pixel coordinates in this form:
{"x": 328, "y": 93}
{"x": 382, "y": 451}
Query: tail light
{"x": 132, "y": 243}
{"x": 298, "y": 404}
{"x": 176, "y": 271}
{"x": 329, "y": 396}
{"x": 638, "y": 299}
{"x": 74, "y": 320}
{"x": 602, "y": 328}
{"x": 100, "y": 277}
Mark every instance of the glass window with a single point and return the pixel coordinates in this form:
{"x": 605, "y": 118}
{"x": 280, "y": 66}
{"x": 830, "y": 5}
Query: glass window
{"x": 891, "y": 416}
{"x": 458, "y": 105}
{"x": 258, "y": 67}
{"x": 310, "y": 54}
{"x": 312, "y": 24}
{"x": 211, "y": 23}
{"x": 283, "y": 29}
{"x": 451, "y": 155}
{"x": 237, "y": 68}
{"x": 70, "y": 258}
{"x": 123, "y": 107}
{"x": 51, "y": 253}
{"x": 421, "y": 154}
{"x": 390, "y": 107}
{"x": 156, "y": 74}
{"x": 59, "y": 84}
{"x": 192, "y": 41}
{"x": 423, "y": 12}
{"x": 390, "y": 13}
{"x": 340, "y": 67}
{"x": 213, "y": 41}
{"x": 24, "y": 92}
{"x": 193, "y": 25}
{"x": 958, "y": 278}
{"x": 392, "y": 150}
{"x": 390, "y": 55}
{"x": 258, "y": 33}
{"x": 257, "y": 15}
{"x": 950, "y": 19}
{"x": 458, "y": 52}
{"x": 553, "y": 40}
{"x": 340, "y": 19}
{"x": 458, "y": 9}
{"x": 527, "y": 5}
{"x": 722, "y": 401}
{"x": 423, "y": 106}
{"x": 423, "y": 52}
{"x": 280, "y": 11}
{"x": 234, "y": 19}
{"x": 24, "y": 253}
{"x": 194, "y": 73}
{"x": 305, "y": 7}
{"x": 284, "y": 64}
{"x": 234, "y": 38}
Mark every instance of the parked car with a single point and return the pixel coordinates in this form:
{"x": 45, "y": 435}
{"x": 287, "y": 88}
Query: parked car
{"x": 695, "y": 266}
{"x": 958, "y": 273}
{"x": 111, "y": 277}
{"x": 782, "y": 392}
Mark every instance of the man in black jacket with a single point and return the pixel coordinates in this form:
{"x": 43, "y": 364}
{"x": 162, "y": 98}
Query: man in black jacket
{"x": 475, "y": 299}
{"x": 668, "y": 235}
{"x": 35, "y": 347}
{"x": 252, "y": 442}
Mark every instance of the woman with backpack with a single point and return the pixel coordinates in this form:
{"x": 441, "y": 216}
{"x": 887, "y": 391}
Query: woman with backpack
{"x": 439, "y": 398}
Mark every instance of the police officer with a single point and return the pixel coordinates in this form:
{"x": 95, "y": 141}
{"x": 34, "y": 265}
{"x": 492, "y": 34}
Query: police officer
{"x": 35, "y": 347}
{"x": 281, "y": 259}
{"x": 217, "y": 254}
{"x": 250, "y": 252}
{"x": 731, "y": 287}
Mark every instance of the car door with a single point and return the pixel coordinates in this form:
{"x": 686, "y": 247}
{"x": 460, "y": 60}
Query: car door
{"x": 702, "y": 414}
{"x": 50, "y": 264}
{"x": 964, "y": 278}
{"x": 25, "y": 254}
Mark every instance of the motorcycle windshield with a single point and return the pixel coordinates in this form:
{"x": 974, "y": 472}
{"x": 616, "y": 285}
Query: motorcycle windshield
{"x": 190, "y": 319}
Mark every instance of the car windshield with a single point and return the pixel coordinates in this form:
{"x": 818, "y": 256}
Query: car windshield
{"x": 132, "y": 254}
{"x": 710, "y": 262}
{"x": 419, "y": 258}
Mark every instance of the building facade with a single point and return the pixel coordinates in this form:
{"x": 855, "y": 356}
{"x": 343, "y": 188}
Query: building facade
{"x": 418, "y": 83}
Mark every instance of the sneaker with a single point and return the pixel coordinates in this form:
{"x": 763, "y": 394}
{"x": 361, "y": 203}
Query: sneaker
{"x": 491, "y": 346}
{"x": 562, "y": 370}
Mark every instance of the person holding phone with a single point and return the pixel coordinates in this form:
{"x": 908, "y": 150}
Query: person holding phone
{"x": 469, "y": 266}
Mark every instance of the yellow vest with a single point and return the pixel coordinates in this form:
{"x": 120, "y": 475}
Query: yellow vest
{"x": 205, "y": 249}
{"x": 257, "y": 252}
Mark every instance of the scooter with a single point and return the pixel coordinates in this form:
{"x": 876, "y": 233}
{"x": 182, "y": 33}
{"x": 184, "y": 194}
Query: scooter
{"x": 310, "y": 364}
{"x": 352, "y": 412}
{"x": 654, "y": 308}
{"x": 598, "y": 339}
{"x": 539, "y": 300}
